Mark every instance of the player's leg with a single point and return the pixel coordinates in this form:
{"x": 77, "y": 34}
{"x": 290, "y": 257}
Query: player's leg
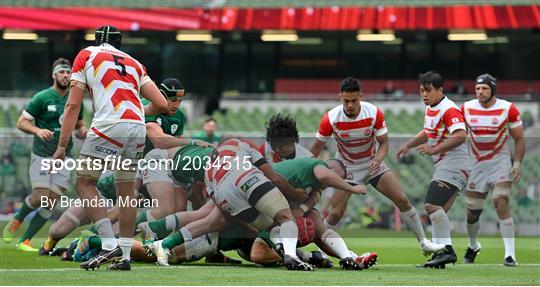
{"x": 388, "y": 184}
{"x": 198, "y": 195}
{"x": 439, "y": 199}
{"x": 214, "y": 222}
{"x": 475, "y": 205}
{"x": 338, "y": 204}
{"x": 72, "y": 218}
{"x": 501, "y": 198}
{"x": 164, "y": 193}
{"x": 160, "y": 228}
{"x": 180, "y": 199}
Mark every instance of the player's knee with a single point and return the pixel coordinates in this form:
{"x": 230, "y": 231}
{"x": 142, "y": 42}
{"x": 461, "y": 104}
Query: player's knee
{"x": 473, "y": 215}
{"x": 336, "y": 214}
{"x": 403, "y": 203}
{"x": 438, "y": 194}
{"x": 501, "y": 196}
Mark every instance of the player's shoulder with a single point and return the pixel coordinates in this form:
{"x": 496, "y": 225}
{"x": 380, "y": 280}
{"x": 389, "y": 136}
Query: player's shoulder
{"x": 335, "y": 113}
{"x": 448, "y": 104}
{"x": 369, "y": 106}
{"x": 43, "y": 94}
{"x": 471, "y": 103}
{"x": 500, "y": 103}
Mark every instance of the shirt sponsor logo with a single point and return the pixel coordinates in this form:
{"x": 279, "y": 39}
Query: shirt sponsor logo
{"x": 474, "y": 121}
{"x": 494, "y": 121}
{"x": 51, "y": 108}
{"x": 345, "y": 135}
{"x": 249, "y": 183}
{"x": 104, "y": 150}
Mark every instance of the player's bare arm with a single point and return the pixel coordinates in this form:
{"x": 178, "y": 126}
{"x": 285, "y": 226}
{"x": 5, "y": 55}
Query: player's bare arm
{"x": 71, "y": 113}
{"x": 26, "y": 125}
{"x": 81, "y": 130}
{"x": 418, "y": 139}
{"x": 165, "y": 141}
{"x": 458, "y": 137}
{"x": 518, "y": 135}
{"x": 282, "y": 184}
{"x": 331, "y": 179}
{"x": 310, "y": 203}
{"x": 158, "y": 103}
{"x": 317, "y": 147}
{"x": 382, "y": 151}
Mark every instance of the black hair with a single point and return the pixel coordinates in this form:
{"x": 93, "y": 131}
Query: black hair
{"x": 61, "y": 61}
{"x": 110, "y": 35}
{"x": 431, "y": 77}
{"x": 341, "y": 164}
{"x": 210, "y": 120}
{"x": 281, "y": 129}
{"x": 350, "y": 85}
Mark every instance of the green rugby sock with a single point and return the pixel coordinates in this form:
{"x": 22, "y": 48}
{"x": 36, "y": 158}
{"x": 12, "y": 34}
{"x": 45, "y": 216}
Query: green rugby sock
{"x": 24, "y": 211}
{"x": 172, "y": 240}
{"x": 36, "y": 224}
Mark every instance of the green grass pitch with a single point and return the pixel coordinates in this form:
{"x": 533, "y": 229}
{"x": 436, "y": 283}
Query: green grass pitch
{"x": 398, "y": 254}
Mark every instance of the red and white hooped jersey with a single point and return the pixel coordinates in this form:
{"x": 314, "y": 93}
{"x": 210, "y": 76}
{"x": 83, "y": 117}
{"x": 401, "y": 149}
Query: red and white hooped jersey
{"x": 489, "y": 127}
{"x": 266, "y": 150}
{"x": 355, "y": 137}
{"x": 440, "y": 121}
{"x": 114, "y": 80}
{"x": 244, "y": 158}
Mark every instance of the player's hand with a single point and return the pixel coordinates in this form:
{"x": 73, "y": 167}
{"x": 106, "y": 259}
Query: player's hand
{"x": 401, "y": 152}
{"x": 374, "y": 166}
{"x": 45, "y": 135}
{"x": 516, "y": 171}
{"x": 200, "y": 143}
{"x": 426, "y": 149}
{"x": 81, "y": 133}
{"x": 59, "y": 154}
{"x": 359, "y": 189}
{"x": 299, "y": 195}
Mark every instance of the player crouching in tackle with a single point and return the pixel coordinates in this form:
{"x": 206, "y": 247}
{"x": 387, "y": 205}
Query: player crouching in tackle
{"x": 115, "y": 82}
{"x": 443, "y": 138}
{"x": 490, "y": 121}
{"x": 362, "y": 144}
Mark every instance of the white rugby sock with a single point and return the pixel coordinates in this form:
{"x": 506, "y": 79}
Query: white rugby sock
{"x": 274, "y": 235}
{"x": 149, "y": 216}
{"x": 507, "y": 231}
{"x": 289, "y": 235}
{"x": 125, "y": 244}
{"x": 441, "y": 227}
{"x": 330, "y": 226}
{"x": 472, "y": 231}
{"x": 104, "y": 229}
{"x": 335, "y": 243}
{"x": 172, "y": 222}
{"x": 412, "y": 220}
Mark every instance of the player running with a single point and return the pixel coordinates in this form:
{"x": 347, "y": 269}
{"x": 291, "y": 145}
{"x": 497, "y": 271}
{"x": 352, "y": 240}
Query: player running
{"x": 362, "y": 142}
{"x": 114, "y": 81}
{"x": 42, "y": 117}
{"x": 490, "y": 121}
{"x": 443, "y": 138}
{"x": 282, "y": 140}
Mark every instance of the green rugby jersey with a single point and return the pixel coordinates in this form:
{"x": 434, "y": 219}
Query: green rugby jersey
{"x": 300, "y": 172}
{"x": 47, "y": 108}
{"x": 172, "y": 125}
{"x": 189, "y": 163}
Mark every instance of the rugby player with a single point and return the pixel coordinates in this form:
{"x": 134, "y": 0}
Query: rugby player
{"x": 115, "y": 81}
{"x": 490, "y": 120}
{"x": 42, "y": 117}
{"x": 362, "y": 144}
{"x": 443, "y": 138}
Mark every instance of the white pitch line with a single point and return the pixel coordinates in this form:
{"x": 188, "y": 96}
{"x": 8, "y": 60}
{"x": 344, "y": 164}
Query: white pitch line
{"x": 80, "y": 269}
{"x": 195, "y": 266}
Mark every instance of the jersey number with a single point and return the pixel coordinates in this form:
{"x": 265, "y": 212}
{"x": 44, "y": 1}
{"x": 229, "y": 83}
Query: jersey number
{"x": 117, "y": 62}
